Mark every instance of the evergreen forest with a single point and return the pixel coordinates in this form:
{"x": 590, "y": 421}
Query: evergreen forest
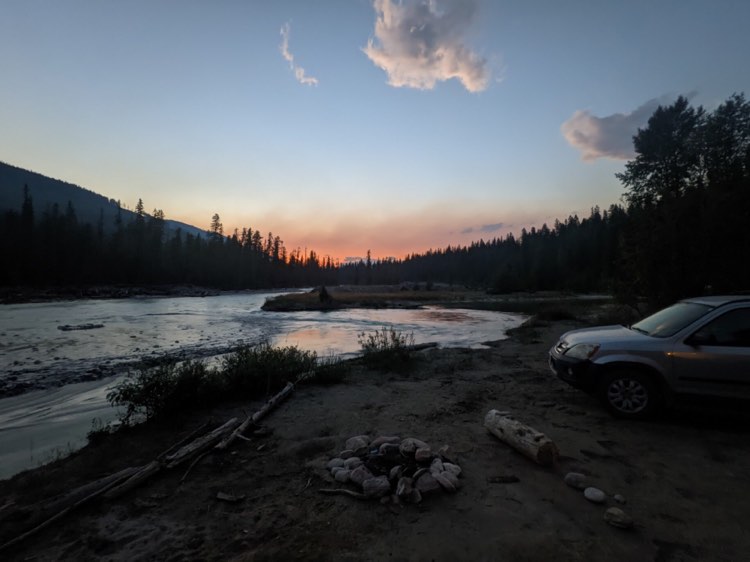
{"x": 680, "y": 230}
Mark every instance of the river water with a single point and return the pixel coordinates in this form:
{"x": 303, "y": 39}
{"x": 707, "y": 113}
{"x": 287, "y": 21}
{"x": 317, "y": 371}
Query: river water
{"x": 67, "y": 346}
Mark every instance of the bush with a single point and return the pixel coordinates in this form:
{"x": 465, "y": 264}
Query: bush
{"x": 254, "y": 370}
{"x": 165, "y": 389}
{"x": 385, "y": 347}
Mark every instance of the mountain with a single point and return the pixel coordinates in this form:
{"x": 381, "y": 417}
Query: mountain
{"x": 46, "y": 192}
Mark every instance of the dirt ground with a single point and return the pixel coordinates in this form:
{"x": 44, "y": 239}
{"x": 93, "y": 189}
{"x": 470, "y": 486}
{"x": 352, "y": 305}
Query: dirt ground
{"x": 684, "y": 477}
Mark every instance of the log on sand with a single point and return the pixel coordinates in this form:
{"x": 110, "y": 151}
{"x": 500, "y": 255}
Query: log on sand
{"x": 524, "y": 439}
{"x": 256, "y": 417}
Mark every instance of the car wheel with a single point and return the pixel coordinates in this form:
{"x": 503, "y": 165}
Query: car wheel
{"x": 630, "y": 394}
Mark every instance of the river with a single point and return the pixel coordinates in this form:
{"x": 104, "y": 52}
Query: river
{"x": 63, "y": 349}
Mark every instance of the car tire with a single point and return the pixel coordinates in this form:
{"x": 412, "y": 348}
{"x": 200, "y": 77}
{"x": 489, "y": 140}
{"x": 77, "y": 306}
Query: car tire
{"x": 631, "y": 394}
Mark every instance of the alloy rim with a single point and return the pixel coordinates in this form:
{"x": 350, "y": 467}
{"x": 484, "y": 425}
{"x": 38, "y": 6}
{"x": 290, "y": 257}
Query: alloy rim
{"x": 627, "y": 395}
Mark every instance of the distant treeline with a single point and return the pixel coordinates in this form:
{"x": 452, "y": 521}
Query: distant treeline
{"x": 683, "y": 230}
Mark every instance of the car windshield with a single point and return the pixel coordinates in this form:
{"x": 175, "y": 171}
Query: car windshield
{"x": 671, "y": 320}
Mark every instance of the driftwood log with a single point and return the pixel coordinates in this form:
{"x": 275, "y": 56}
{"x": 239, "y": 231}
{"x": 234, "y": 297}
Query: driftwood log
{"x": 199, "y": 445}
{"x": 524, "y": 439}
{"x": 256, "y": 417}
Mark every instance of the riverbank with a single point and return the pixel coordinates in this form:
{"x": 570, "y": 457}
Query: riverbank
{"x": 683, "y": 477}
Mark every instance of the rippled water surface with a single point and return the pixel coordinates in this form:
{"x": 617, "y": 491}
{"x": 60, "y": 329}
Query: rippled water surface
{"x": 38, "y": 425}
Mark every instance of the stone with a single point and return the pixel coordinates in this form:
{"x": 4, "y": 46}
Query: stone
{"x": 395, "y": 472}
{"x": 376, "y": 487}
{"x": 415, "y": 496}
{"x": 342, "y": 475}
{"x": 336, "y": 469}
{"x": 620, "y": 499}
{"x": 404, "y": 487}
{"x": 426, "y": 483}
{"x": 576, "y": 480}
{"x": 594, "y": 495}
{"x": 352, "y": 462}
{"x": 346, "y": 453}
{"x": 410, "y": 445}
{"x": 360, "y": 474}
{"x": 333, "y": 463}
{"x": 390, "y": 451}
{"x": 358, "y": 442}
{"x": 445, "y": 453}
{"x": 451, "y": 467}
{"x": 618, "y": 518}
{"x": 437, "y": 466}
{"x": 378, "y": 441}
{"x": 423, "y": 454}
{"x": 444, "y": 482}
{"x": 452, "y": 478}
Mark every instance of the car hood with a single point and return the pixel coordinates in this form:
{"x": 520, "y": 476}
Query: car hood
{"x": 602, "y": 335}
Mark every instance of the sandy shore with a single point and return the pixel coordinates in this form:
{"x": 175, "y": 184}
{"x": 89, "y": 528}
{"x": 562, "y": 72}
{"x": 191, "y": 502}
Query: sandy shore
{"x": 684, "y": 477}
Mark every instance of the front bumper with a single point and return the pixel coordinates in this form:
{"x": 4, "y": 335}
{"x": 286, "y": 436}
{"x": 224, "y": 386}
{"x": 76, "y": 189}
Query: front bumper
{"x": 579, "y": 374}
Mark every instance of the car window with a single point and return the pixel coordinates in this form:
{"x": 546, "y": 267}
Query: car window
{"x": 669, "y": 321}
{"x": 731, "y": 329}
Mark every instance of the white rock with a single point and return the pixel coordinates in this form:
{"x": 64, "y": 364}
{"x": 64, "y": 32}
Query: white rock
{"x": 427, "y": 483}
{"x": 358, "y": 442}
{"x": 352, "y": 462}
{"x": 404, "y": 487}
{"x": 446, "y": 484}
{"x": 342, "y": 476}
{"x": 576, "y": 480}
{"x": 333, "y": 463}
{"x": 395, "y": 472}
{"x": 452, "y": 478}
{"x": 451, "y": 467}
{"x": 618, "y": 518}
{"x": 423, "y": 454}
{"x": 360, "y": 474}
{"x": 410, "y": 445}
{"x": 594, "y": 495}
{"x": 620, "y": 499}
{"x": 376, "y": 487}
{"x": 378, "y": 441}
{"x": 336, "y": 469}
{"x": 346, "y": 453}
{"x": 436, "y": 466}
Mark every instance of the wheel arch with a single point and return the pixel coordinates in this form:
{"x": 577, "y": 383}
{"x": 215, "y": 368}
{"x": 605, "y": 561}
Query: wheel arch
{"x": 644, "y": 369}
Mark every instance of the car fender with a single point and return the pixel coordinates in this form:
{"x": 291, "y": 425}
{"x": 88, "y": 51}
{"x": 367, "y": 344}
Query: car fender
{"x": 644, "y": 364}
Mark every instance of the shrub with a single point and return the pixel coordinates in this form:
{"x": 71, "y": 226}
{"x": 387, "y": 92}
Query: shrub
{"x": 330, "y": 370}
{"x": 254, "y": 370}
{"x": 165, "y": 389}
{"x": 385, "y": 347}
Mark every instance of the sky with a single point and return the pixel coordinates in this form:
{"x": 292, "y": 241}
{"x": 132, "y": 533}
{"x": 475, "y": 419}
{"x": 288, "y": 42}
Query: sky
{"x": 352, "y": 125}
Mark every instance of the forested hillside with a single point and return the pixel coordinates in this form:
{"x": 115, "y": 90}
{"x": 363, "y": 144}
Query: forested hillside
{"x": 683, "y": 230}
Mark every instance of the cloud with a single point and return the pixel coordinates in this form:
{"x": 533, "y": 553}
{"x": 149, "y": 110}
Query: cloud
{"x": 421, "y": 42}
{"x": 299, "y": 72}
{"x": 611, "y": 136}
{"x": 485, "y": 228}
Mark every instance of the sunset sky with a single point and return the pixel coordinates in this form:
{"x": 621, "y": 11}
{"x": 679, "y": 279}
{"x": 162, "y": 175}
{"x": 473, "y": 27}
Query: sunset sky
{"x": 347, "y": 125}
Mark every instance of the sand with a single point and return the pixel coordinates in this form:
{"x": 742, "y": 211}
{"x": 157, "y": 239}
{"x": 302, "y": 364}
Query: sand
{"x": 683, "y": 476}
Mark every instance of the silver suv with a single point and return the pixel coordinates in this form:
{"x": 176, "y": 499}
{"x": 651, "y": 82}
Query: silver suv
{"x": 697, "y": 346}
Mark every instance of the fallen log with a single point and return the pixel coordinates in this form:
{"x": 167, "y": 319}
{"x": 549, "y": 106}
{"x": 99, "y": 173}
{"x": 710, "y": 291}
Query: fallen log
{"x": 256, "y": 417}
{"x": 106, "y": 484}
{"x": 524, "y": 439}
{"x": 144, "y": 473}
{"x": 197, "y": 446}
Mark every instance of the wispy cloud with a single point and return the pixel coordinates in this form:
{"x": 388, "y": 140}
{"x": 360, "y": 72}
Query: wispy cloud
{"x": 421, "y": 42}
{"x": 610, "y": 136}
{"x": 299, "y": 72}
{"x": 485, "y": 228}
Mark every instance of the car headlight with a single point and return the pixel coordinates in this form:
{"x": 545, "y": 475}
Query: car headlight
{"x": 582, "y": 351}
